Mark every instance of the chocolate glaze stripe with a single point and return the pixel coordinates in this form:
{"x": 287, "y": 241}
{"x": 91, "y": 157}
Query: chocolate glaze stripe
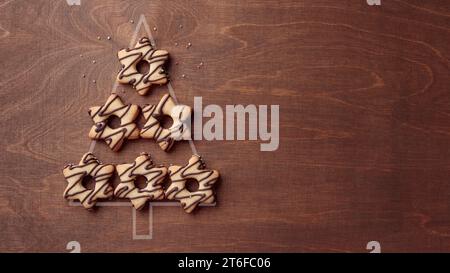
{"x": 144, "y": 41}
{"x": 134, "y": 62}
{"x": 147, "y": 195}
{"x": 194, "y": 204}
{"x": 205, "y": 178}
{"x": 115, "y": 137}
{"x": 126, "y": 192}
{"x": 91, "y": 167}
{"x": 120, "y": 192}
{"x": 69, "y": 194}
{"x": 87, "y": 163}
{"x": 150, "y": 113}
{"x": 109, "y": 138}
{"x": 125, "y": 112}
{"x": 92, "y": 194}
{"x": 142, "y": 77}
{"x": 149, "y": 57}
{"x": 179, "y": 195}
{"x": 208, "y": 172}
{"x": 148, "y": 75}
{"x": 101, "y": 112}
{"x": 143, "y": 165}
{"x": 113, "y": 143}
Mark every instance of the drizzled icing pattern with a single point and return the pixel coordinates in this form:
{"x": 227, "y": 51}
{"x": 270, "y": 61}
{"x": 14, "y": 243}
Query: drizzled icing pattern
{"x": 195, "y": 169}
{"x": 100, "y": 173}
{"x": 142, "y": 166}
{"x": 129, "y": 59}
{"x": 127, "y": 129}
{"x": 180, "y": 128}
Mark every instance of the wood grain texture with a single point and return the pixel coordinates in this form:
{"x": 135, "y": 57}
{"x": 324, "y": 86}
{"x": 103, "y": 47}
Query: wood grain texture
{"x": 364, "y": 122}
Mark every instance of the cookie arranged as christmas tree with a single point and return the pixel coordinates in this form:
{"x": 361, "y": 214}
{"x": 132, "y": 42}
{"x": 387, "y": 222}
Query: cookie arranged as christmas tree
{"x": 127, "y": 114}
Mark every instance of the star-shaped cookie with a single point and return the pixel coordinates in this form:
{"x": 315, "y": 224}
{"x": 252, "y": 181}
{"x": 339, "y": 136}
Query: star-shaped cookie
{"x": 180, "y": 129}
{"x": 142, "y": 52}
{"x": 196, "y": 170}
{"x": 128, "y": 173}
{"x": 100, "y": 173}
{"x": 127, "y": 129}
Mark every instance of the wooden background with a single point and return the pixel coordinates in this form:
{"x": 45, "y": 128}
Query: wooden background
{"x": 364, "y": 123}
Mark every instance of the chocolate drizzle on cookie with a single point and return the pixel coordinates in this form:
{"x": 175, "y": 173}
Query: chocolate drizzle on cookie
{"x": 127, "y": 129}
{"x": 143, "y": 51}
{"x": 153, "y": 129}
{"x": 128, "y": 173}
{"x": 88, "y": 166}
{"x": 195, "y": 169}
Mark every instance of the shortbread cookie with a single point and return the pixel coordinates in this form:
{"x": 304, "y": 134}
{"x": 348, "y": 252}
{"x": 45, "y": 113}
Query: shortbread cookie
{"x": 100, "y": 173}
{"x": 154, "y": 177}
{"x": 127, "y": 129}
{"x": 129, "y": 59}
{"x": 180, "y": 128}
{"x": 194, "y": 170}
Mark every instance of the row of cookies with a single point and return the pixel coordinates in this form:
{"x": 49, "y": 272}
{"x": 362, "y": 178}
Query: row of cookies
{"x": 128, "y": 129}
{"x": 90, "y": 166}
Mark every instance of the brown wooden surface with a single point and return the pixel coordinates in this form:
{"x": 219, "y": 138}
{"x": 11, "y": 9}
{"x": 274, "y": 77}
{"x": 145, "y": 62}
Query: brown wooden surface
{"x": 364, "y": 122}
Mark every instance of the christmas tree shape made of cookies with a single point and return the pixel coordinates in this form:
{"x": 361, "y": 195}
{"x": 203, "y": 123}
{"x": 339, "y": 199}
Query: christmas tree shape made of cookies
{"x": 115, "y": 138}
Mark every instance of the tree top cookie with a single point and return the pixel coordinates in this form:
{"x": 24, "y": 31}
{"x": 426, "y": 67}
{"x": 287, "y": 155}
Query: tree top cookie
{"x": 130, "y": 58}
{"x": 127, "y": 129}
{"x": 89, "y": 165}
{"x": 196, "y": 170}
{"x": 128, "y": 173}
